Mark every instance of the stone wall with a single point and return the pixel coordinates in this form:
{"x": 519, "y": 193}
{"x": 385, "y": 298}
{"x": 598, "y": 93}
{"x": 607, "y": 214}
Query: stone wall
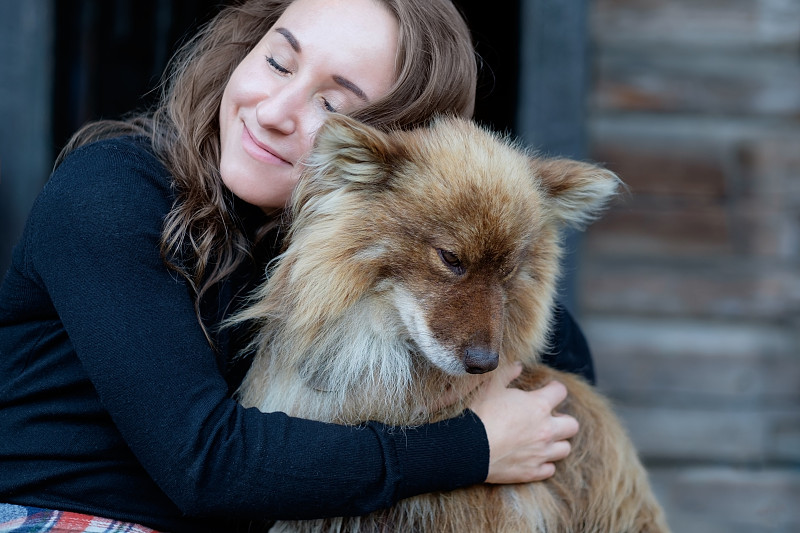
{"x": 690, "y": 285}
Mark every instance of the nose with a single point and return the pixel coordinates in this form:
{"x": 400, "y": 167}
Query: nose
{"x": 479, "y": 360}
{"x": 280, "y": 110}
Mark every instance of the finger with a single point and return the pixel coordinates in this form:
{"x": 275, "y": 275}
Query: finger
{"x": 553, "y": 393}
{"x": 543, "y": 471}
{"x": 558, "y": 450}
{"x": 564, "y": 427}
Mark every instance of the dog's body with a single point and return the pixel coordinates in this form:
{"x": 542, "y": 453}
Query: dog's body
{"x": 418, "y": 261}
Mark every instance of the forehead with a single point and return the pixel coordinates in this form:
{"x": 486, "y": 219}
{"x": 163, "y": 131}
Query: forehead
{"x": 367, "y": 21}
{"x": 351, "y": 38}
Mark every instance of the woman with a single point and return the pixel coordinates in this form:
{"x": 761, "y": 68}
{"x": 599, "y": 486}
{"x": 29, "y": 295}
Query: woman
{"x": 115, "y": 384}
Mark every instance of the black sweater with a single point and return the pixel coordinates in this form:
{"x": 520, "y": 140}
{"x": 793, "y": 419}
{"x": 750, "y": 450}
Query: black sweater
{"x": 112, "y": 402}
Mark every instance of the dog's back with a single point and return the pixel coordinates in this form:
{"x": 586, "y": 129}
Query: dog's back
{"x": 417, "y": 262}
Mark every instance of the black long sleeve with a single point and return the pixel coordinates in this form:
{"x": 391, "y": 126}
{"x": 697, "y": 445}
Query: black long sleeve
{"x": 568, "y": 349}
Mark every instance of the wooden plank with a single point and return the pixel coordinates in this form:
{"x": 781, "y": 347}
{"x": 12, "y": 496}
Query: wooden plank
{"x": 552, "y": 94}
{"x": 728, "y": 500}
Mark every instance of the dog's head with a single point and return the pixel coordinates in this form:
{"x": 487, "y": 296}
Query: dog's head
{"x": 453, "y": 227}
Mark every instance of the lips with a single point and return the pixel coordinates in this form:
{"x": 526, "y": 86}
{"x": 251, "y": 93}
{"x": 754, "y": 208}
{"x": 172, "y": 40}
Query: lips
{"x": 259, "y": 150}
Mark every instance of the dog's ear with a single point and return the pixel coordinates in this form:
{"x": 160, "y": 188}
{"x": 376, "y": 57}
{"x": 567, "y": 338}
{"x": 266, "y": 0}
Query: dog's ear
{"x": 346, "y": 150}
{"x": 578, "y": 191}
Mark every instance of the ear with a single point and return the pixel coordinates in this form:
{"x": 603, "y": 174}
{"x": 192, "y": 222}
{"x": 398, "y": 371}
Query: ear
{"x": 346, "y": 150}
{"x": 579, "y": 191}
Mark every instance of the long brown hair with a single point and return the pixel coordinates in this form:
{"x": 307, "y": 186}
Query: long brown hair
{"x": 201, "y": 239}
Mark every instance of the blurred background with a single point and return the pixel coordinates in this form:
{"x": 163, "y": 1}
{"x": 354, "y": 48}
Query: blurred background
{"x": 688, "y": 289}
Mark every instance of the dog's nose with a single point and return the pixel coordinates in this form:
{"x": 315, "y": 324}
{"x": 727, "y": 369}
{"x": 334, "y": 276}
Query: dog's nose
{"x": 480, "y": 360}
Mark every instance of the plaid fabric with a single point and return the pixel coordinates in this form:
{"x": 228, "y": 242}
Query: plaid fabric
{"x": 19, "y": 519}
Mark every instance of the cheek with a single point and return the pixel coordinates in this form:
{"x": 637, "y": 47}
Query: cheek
{"x": 305, "y": 141}
{"x": 290, "y": 181}
{"x": 312, "y": 125}
{"x": 228, "y": 110}
{"x": 244, "y": 88}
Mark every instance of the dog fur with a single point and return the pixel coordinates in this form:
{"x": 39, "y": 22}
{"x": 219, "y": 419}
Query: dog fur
{"x": 417, "y": 262}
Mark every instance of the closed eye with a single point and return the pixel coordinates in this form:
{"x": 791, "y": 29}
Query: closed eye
{"x": 452, "y": 262}
{"x": 328, "y": 106}
{"x": 277, "y": 66}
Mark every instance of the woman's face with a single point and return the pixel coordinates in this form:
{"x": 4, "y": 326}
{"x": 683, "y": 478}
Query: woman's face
{"x": 320, "y": 56}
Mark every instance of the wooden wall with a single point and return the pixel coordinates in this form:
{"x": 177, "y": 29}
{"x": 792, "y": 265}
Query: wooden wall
{"x": 690, "y": 286}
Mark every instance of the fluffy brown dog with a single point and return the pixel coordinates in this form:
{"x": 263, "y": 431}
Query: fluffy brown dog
{"x": 417, "y": 262}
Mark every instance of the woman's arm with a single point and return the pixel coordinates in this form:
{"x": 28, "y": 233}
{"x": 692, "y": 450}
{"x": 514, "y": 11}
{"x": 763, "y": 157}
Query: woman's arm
{"x": 95, "y": 246}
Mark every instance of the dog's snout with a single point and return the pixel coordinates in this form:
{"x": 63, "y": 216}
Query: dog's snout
{"x": 480, "y": 360}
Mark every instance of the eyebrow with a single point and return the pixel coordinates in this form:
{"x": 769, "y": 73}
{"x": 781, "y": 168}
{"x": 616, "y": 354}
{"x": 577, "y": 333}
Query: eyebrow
{"x": 350, "y": 86}
{"x": 291, "y": 38}
{"x": 344, "y": 82}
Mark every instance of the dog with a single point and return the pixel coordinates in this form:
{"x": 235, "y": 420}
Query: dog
{"x": 415, "y": 263}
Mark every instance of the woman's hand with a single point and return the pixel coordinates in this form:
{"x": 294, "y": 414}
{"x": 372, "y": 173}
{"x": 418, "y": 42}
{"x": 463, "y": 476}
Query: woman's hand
{"x": 525, "y": 437}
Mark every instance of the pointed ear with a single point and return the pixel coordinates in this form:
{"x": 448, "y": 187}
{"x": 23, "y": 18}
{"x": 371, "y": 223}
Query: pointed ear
{"x": 579, "y": 191}
{"x": 346, "y": 150}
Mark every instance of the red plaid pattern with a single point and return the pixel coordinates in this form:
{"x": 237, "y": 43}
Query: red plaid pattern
{"x": 20, "y": 519}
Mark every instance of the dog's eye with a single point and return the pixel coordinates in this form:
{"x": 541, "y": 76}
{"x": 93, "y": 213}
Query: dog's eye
{"x": 451, "y": 261}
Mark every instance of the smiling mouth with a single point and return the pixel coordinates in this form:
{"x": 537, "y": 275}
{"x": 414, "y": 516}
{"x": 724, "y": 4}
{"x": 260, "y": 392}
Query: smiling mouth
{"x": 258, "y": 150}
